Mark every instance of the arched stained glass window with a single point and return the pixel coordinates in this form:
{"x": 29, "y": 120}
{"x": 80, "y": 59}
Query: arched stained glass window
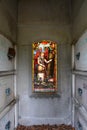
{"x": 44, "y": 66}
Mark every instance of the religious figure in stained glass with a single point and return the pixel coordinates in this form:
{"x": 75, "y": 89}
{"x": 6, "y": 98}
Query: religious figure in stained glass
{"x": 44, "y": 76}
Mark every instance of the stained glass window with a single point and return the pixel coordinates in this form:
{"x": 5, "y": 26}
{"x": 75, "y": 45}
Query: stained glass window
{"x": 44, "y": 66}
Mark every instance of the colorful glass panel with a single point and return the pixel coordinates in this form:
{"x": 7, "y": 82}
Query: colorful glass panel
{"x": 44, "y": 66}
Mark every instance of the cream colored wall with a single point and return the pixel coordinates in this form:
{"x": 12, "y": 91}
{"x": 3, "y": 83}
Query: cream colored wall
{"x": 8, "y": 18}
{"x": 43, "y": 20}
{"x": 79, "y": 18}
{"x": 8, "y": 28}
{"x": 39, "y": 20}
